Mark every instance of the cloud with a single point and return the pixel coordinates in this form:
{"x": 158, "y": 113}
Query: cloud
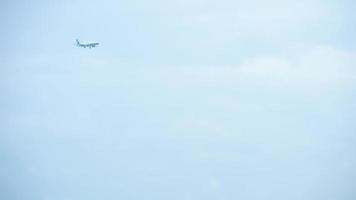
{"x": 320, "y": 68}
{"x": 316, "y": 68}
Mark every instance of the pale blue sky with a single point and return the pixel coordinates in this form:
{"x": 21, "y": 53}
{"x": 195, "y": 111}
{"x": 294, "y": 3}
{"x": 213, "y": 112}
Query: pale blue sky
{"x": 182, "y": 100}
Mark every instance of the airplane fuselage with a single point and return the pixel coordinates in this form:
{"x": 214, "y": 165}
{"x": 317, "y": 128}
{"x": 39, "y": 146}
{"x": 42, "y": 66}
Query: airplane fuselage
{"x": 89, "y": 45}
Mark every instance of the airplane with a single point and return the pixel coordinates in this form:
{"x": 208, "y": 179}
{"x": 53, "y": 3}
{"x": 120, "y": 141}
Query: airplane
{"x": 90, "y": 45}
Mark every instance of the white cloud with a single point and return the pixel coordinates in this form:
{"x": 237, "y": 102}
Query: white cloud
{"x": 317, "y": 68}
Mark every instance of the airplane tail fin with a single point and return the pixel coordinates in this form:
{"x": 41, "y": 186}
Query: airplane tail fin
{"x": 78, "y": 43}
